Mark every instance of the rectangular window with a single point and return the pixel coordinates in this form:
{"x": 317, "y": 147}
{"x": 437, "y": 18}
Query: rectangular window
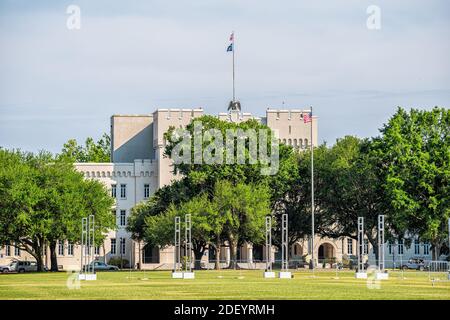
{"x": 16, "y": 251}
{"x": 97, "y": 250}
{"x": 113, "y": 246}
{"x": 7, "y": 249}
{"x": 390, "y": 248}
{"x": 123, "y": 216}
{"x": 349, "y": 246}
{"x": 114, "y": 191}
{"x": 416, "y": 246}
{"x": 146, "y": 191}
{"x": 366, "y": 246}
{"x": 60, "y": 248}
{"x": 70, "y": 249}
{"x": 123, "y": 191}
{"x": 400, "y": 247}
{"x": 114, "y": 213}
{"x": 426, "y": 249}
{"x": 122, "y": 245}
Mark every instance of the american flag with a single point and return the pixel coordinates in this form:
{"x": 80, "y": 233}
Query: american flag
{"x": 232, "y": 37}
{"x": 307, "y": 117}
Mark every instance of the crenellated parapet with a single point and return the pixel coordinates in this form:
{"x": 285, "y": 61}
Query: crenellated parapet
{"x": 140, "y": 168}
{"x": 291, "y": 127}
{"x": 165, "y": 118}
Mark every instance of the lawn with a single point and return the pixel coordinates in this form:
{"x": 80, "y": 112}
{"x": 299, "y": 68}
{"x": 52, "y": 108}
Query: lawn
{"x": 222, "y": 285}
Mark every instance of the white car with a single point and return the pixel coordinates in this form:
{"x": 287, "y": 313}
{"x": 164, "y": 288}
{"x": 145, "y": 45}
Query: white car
{"x": 11, "y": 267}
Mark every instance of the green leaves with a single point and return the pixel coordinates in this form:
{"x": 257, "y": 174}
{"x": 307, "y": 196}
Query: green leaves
{"x": 43, "y": 199}
{"x": 99, "y": 151}
{"x": 415, "y": 152}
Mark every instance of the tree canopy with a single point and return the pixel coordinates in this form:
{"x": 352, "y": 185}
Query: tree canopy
{"x": 42, "y": 201}
{"x": 414, "y": 155}
{"x": 92, "y": 151}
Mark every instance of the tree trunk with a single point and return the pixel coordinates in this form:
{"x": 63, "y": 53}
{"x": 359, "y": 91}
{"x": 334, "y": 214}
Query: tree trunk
{"x": 140, "y": 254}
{"x": 436, "y": 252}
{"x": 198, "y": 254}
{"x": 37, "y": 254}
{"x": 218, "y": 255}
{"x": 233, "y": 251}
{"x": 53, "y": 258}
{"x": 104, "y": 252}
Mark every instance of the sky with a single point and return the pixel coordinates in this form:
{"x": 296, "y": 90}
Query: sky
{"x": 132, "y": 57}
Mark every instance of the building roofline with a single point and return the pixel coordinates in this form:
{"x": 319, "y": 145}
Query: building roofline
{"x": 132, "y": 115}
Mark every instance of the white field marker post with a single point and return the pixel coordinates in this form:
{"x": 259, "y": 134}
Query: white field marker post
{"x": 284, "y": 273}
{"x": 87, "y": 249}
{"x": 177, "y": 273}
{"x": 188, "y": 274}
{"x": 269, "y": 273}
{"x": 91, "y": 229}
{"x": 360, "y": 274}
{"x": 381, "y": 274}
{"x": 381, "y": 264}
{"x": 83, "y": 247}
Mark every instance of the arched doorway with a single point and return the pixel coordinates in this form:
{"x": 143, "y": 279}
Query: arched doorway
{"x": 326, "y": 253}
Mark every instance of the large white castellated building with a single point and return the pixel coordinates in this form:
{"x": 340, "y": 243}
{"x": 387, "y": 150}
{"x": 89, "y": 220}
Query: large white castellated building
{"x": 138, "y": 168}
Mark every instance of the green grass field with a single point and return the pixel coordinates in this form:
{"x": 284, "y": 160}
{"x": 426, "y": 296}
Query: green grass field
{"x": 222, "y": 285}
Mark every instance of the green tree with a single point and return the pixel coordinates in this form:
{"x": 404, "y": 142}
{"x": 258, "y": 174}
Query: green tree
{"x": 205, "y": 223}
{"x": 294, "y": 199}
{"x": 414, "y": 150}
{"x": 43, "y": 201}
{"x": 244, "y": 208}
{"x": 206, "y": 175}
{"x": 92, "y": 151}
{"x": 346, "y": 187}
{"x": 176, "y": 193}
{"x": 231, "y": 213}
{"x": 203, "y": 178}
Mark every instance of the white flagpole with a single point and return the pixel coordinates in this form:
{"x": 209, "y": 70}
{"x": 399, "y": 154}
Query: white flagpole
{"x": 233, "y": 47}
{"x": 312, "y": 191}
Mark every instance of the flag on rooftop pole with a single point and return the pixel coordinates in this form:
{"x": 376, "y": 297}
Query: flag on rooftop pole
{"x": 231, "y": 48}
{"x": 307, "y": 117}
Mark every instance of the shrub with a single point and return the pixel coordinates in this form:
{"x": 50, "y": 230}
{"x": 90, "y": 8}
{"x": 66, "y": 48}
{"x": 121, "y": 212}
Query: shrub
{"x": 119, "y": 262}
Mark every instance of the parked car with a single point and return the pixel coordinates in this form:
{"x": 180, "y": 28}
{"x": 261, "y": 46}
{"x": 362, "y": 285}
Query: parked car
{"x": 24, "y": 266}
{"x": 101, "y": 266}
{"x": 416, "y": 263}
{"x": 10, "y": 267}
